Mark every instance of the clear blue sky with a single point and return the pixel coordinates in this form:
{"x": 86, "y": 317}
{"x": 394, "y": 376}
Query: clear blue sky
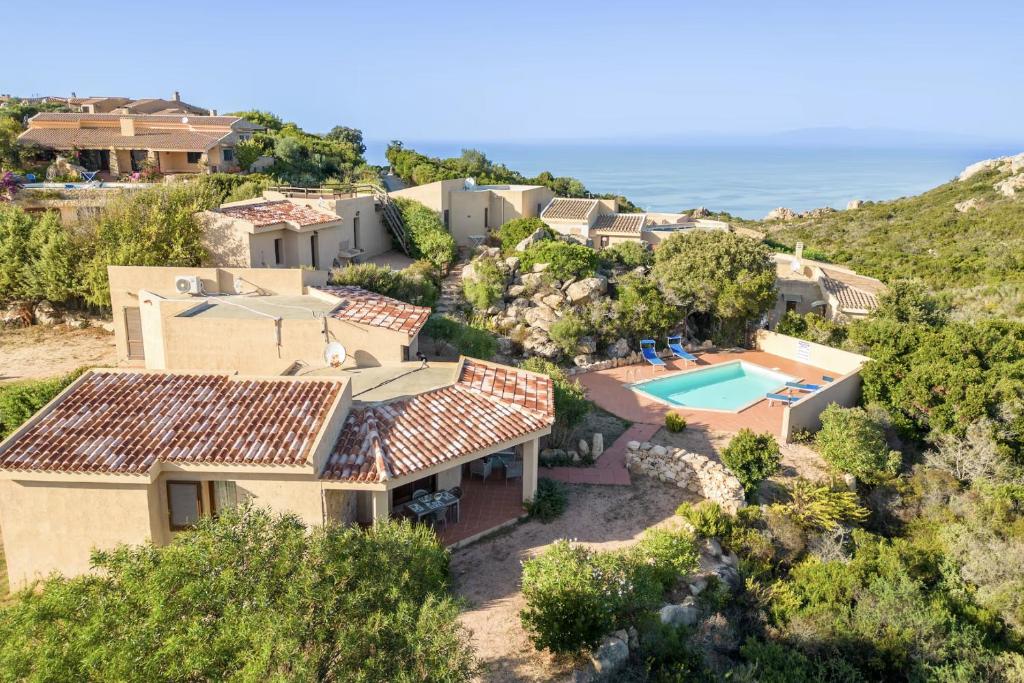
{"x": 542, "y": 70}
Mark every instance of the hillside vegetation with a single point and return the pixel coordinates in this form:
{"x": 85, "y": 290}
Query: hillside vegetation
{"x": 974, "y": 258}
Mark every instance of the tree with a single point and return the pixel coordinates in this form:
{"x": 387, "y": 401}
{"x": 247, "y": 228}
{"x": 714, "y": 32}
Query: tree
{"x": 641, "y": 310}
{"x": 907, "y": 301}
{"x": 812, "y": 327}
{"x": 271, "y": 122}
{"x": 247, "y": 152}
{"x": 55, "y": 259}
{"x": 571, "y": 404}
{"x": 15, "y": 253}
{"x": 486, "y": 286}
{"x": 850, "y": 440}
{"x": 630, "y": 254}
{"x": 10, "y": 153}
{"x": 722, "y": 275}
{"x": 248, "y": 595}
{"x": 752, "y": 458}
{"x": 352, "y": 136}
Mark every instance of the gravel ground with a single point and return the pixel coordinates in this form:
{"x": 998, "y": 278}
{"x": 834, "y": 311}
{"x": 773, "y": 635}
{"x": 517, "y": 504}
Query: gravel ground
{"x": 38, "y": 351}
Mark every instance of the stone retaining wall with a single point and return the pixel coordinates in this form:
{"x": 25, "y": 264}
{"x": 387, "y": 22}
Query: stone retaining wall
{"x": 691, "y": 471}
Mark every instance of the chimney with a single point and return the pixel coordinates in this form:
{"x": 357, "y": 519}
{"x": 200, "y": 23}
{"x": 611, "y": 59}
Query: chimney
{"x": 177, "y": 96}
{"x": 799, "y": 251}
{"x": 796, "y": 265}
{"x": 128, "y": 127}
{"x": 213, "y": 112}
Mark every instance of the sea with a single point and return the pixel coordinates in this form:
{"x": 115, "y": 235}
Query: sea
{"x": 745, "y": 180}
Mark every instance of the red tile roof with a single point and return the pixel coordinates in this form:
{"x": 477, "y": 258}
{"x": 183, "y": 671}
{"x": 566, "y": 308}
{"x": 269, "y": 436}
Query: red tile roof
{"x": 166, "y": 140}
{"x": 620, "y": 223}
{"x": 568, "y": 209}
{"x": 854, "y": 292}
{"x": 369, "y": 308}
{"x": 124, "y": 423}
{"x": 278, "y": 211}
{"x": 487, "y": 406}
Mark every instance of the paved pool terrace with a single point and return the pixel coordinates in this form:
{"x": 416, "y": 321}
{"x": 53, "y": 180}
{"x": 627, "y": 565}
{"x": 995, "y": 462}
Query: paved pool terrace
{"x": 611, "y": 390}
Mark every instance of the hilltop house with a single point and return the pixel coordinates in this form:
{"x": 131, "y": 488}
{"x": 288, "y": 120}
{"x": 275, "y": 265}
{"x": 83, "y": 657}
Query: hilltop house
{"x": 291, "y": 230}
{"x": 134, "y": 456}
{"x": 469, "y": 211}
{"x": 834, "y": 292}
{"x": 598, "y": 223}
{"x": 119, "y": 144}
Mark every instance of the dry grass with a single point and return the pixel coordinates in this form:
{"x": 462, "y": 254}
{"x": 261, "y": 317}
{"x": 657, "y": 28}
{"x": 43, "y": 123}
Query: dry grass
{"x": 38, "y": 352}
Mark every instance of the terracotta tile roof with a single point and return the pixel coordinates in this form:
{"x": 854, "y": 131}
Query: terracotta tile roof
{"x": 195, "y": 120}
{"x": 849, "y": 294}
{"x": 369, "y": 308}
{"x": 568, "y": 209}
{"x": 620, "y": 223}
{"x": 278, "y": 211}
{"x": 123, "y": 423}
{"x": 145, "y": 138}
{"x": 486, "y": 407}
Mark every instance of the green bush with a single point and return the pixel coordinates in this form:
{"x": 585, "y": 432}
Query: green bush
{"x": 515, "y": 231}
{"x": 21, "y": 400}
{"x": 820, "y": 507}
{"x": 427, "y": 236}
{"x": 631, "y": 254}
{"x": 641, "y": 310}
{"x": 467, "y": 340}
{"x": 571, "y": 404}
{"x": 487, "y": 285}
{"x": 850, "y": 440}
{"x": 812, "y": 327}
{"x": 565, "y": 259}
{"x": 674, "y": 422}
{"x": 567, "y": 331}
{"x": 669, "y": 554}
{"x": 415, "y": 285}
{"x": 549, "y": 501}
{"x": 708, "y": 519}
{"x": 752, "y": 458}
{"x": 247, "y": 595}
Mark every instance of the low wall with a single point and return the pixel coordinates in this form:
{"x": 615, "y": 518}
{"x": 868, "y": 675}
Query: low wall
{"x": 838, "y": 361}
{"x": 804, "y": 415}
{"x": 694, "y": 472}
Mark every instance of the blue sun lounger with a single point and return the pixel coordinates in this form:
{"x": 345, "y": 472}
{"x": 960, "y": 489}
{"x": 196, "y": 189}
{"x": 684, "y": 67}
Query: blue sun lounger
{"x": 782, "y": 398}
{"x": 650, "y": 355}
{"x": 803, "y": 387}
{"x": 675, "y": 345}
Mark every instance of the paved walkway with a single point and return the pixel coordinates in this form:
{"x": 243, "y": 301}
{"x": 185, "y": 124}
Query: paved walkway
{"x": 451, "y": 299}
{"x": 610, "y": 468}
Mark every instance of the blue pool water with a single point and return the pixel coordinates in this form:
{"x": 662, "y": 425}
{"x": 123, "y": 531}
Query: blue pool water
{"x": 729, "y": 386}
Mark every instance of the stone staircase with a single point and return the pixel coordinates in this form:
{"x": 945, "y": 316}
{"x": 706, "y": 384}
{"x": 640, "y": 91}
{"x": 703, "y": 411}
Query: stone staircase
{"x": 451, "y": 301}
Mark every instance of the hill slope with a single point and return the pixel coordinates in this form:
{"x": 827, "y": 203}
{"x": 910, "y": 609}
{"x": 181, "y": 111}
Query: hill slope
{"x": 974, "y": 256}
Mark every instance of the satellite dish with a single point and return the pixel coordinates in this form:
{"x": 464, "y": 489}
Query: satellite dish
{"x": 334, "y": 354}
{"x": 184, "y": 119}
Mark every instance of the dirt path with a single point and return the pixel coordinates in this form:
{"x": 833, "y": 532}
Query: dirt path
{"x": 487, "y": 574}
{"x": 38, "y": 351}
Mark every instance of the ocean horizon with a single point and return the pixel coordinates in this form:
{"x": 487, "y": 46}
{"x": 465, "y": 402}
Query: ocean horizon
{"x": 747, "y": 180}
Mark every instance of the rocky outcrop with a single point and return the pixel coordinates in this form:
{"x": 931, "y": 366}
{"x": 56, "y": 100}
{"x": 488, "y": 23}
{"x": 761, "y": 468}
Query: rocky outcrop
{"x": 781, "y": 214}
{"x": 692, "y": 471}
{"x": 1010, "y": 186}
{"x": 62, "y": 168}
{"x": 967, "y": 205}
{"x": 46, "y": 314}
{"x": 854, "y": 204}
{"x": 586, "y": 290}
{"x": 1011, "y": 164}
{"x": 538, "y": 235}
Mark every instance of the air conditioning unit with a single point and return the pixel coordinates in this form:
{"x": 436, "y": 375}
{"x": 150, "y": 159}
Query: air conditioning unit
{"x": 188, "y": 284}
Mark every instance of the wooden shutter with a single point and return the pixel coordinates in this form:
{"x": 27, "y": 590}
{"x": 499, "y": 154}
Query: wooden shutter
{"x": 133, "y": 330}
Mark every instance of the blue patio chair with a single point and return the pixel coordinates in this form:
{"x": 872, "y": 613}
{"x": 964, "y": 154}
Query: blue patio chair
{"x": 650, "y": 355}
{"x": 827, "y": 378}
{"x": 803, "y": 387}
{"x": 781, "y": 398}
{"x": 675, "y": 345}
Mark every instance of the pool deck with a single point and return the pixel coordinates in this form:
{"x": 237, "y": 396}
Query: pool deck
{"x": 610, "y": 390}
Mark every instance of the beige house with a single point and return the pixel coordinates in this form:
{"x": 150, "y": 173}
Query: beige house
{"x": 254, "y": 320}
{"x": 120, "y": 144}
{"x": 130, "y": 456}
{"x": 598, "y": 222}
{"x": 280, "y": 230}
{"x": 469, "y": 211}
{"x": 832, "y": 291}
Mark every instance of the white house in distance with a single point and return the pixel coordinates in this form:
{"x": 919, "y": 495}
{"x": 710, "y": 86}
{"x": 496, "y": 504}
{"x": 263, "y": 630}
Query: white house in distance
{"x": 599, "y": 223}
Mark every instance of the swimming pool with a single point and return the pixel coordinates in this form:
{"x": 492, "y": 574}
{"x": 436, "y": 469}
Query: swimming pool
{"x": 729, "y": 387}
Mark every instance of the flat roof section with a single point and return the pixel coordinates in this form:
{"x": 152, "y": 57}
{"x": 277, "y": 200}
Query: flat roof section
{"x": 243, "y": 307}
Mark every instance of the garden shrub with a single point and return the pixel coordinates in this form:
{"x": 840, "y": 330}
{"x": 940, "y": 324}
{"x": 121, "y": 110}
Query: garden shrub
{"x": 708, "y": 519}
{"x": 631, "y": 254}
{"x": 670, "y": 554}
{"x": 415, "y": 285}
{"x": 674, "y": 422}
{"x": 467, "y": 340}
{"x": 515, "y": 231}
{"x": 486, "y": 287}
{"x": 641, "y": 310}
{"x": 812, "y": 327}
{"x": 21, "y": 400}
{"x": 850, "y": 440}
{"x": 820, "y": 507}
{"x": 752, "y": 458}
{"x": 571, "y": 404}
{"x": 549, "y": 502}
{"x": 565, "y": 259}
{"x": 567, "y": 331}
{"x": 427, "y": 236}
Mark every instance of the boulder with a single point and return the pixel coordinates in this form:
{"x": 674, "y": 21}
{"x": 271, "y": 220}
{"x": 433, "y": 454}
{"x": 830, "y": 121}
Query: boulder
{"x": 515, "y": 291}
{"x": 979, "y": 167}
{"x": 854, "y": 204}
{"x": 586, "y": 345}
{"x": 598, "y": 444}
{"x": 583, "y": 447}
{"x": 553, "y": 300}
{"x": 1010, "y": 186}
{"x": 541, "y": 316}
{"x": 850, "y": 481}
{"x": 780, "y": 214}
{"x": 46, "y": 314}
{"x": 587, "y": 289}
{"x": 512, "y": 263}
{"x": 62, "y": 168}
{"x": 967, "y": 204}
{"x": 583, "y": 360}
{"x": 540, "y": 267}
{"x": 698, "y": 586}
{"x": 532, "y": 280}
{"x": 611, "y": 655}
{"x": 1017, "y": 163}
{"x": 574, "y": 456}
{"x": 679, "y": 615}
{"x": 619, "y": 349}
{"x": 77, "y": 323}
{"x": 539, "y": 235}
{"x": 700, "y": 212}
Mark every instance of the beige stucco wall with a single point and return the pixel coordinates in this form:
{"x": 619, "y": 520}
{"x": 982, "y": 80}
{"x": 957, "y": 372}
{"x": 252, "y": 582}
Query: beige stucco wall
{"x": 836, "y": 360}
{"x": 808, "y": 291}
{"x": 467, "y": 215}
{"x": 177, "y": 162}
{"x": 804, "y": 415}
{"x": 50, "y": 526}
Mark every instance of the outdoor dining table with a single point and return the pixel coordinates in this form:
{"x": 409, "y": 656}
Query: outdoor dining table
{"x": 432, "y": 502}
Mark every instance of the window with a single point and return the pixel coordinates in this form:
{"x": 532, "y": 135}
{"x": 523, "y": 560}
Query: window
{"x": 223, "y": 495}
{"x": 314, "y": 247}
{"x": 278, "y": 251}
{"x": 355, "y": 232}
{"x": 539, "y": 208}
{"x": 193, "y": 157}
{"x": 227, "y": 154}
{"x": 446, "y": 225}
{"x": 487, "y": 222}
{"x": 604, "y": 241}
{"x": 183, "y": 504}
{"x": 790, "y": 306}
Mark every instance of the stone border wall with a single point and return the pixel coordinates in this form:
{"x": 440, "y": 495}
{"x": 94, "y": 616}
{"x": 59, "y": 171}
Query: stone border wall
{"x": 694, "y": 472}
